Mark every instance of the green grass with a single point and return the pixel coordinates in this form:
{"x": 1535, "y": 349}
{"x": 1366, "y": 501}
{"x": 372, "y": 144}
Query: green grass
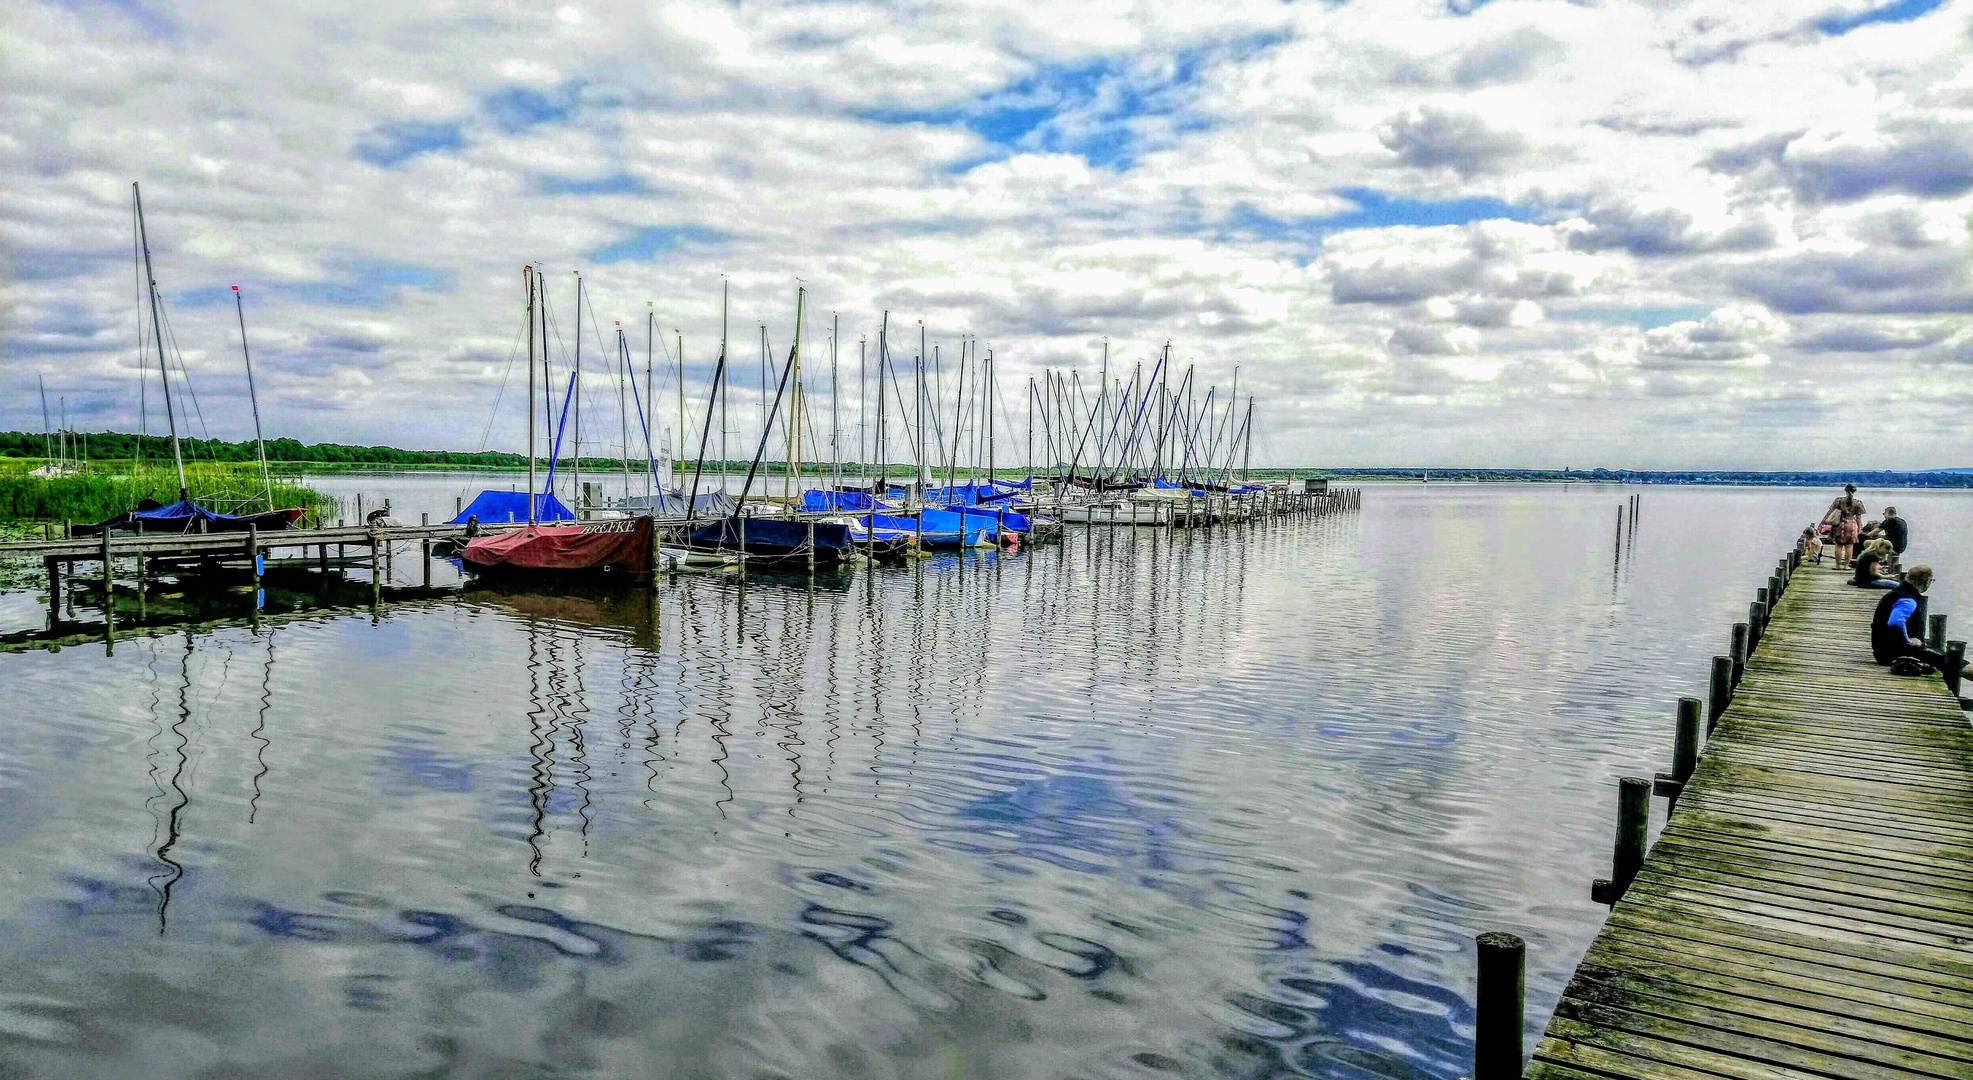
{"x": 104, "y": 489}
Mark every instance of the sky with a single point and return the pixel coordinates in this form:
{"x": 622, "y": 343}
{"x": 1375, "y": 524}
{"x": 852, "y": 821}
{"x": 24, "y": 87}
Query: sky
{"x": 1516, "y": 233}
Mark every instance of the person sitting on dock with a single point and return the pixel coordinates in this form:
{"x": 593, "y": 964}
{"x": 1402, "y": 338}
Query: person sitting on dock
{"x": 1871, "y": 566}
{"x": 1897, "y": 626}
{"x": 1898, "y": 532}
{"x": 1812, "y": 545}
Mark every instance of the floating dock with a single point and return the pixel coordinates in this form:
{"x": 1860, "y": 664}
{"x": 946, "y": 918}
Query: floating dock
{"x": 1808, "y": 909}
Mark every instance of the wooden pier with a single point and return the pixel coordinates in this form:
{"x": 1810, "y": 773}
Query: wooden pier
{"x": 1808, "y": 909}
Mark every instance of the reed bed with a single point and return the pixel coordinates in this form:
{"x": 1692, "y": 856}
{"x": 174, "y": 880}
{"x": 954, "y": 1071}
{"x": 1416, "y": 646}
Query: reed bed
{"x": 100, "y": 490}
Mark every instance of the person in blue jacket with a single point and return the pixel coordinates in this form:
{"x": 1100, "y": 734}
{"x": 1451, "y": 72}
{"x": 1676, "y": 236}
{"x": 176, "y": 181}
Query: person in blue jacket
{"x": 1897, "y": 627}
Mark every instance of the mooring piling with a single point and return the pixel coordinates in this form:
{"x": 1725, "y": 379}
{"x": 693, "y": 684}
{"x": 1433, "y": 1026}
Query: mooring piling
{"x": 1685, "y": 752}
{"x": 1721, "y": 691}
{"x": 1935, "y": 633}
{"x": 1633, "y": 826}
{"x": 1499, "y": 1006}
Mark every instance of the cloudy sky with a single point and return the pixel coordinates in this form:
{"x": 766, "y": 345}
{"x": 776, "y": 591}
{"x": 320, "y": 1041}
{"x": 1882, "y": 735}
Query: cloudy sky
{"x": 1516, "y": 233}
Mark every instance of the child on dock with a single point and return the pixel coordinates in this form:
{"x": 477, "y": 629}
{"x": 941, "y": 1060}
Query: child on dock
{"x": 1812, "y": 545}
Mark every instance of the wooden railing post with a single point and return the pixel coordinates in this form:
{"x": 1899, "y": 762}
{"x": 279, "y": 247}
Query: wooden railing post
{"x": 1738, "y": 651}
{"x": 1955, "y": 663}
{"x": 1935, "y": 633}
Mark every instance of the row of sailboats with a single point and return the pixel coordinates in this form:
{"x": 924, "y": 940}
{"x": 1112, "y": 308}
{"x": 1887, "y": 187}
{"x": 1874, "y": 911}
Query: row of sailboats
{"x": 1138, "y": 452}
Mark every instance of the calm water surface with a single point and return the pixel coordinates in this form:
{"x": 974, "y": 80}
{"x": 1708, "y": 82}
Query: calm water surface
{"x": 1231, "y": 804}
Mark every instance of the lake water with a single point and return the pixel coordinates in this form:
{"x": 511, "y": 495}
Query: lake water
{"x": 1217, "y": 804}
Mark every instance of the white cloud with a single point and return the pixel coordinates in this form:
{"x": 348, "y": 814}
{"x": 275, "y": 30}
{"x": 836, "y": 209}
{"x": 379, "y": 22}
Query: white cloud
{"x": 1322, "y": 194}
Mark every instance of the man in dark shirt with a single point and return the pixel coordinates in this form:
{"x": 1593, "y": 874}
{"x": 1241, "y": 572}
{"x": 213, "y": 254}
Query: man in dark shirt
{"x": 1896, "y": 531}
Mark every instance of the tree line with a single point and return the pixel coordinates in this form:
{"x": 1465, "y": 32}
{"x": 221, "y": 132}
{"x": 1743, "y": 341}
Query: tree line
{"x": 119, "y": 445}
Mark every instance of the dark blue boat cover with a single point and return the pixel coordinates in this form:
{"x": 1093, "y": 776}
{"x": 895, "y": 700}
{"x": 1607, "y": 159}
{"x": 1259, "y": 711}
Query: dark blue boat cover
{"x": 815, "y": 502}
{"x": 186, "y": 516}
{"x": 773, "y": 533}
{"x": 500, "y": 507}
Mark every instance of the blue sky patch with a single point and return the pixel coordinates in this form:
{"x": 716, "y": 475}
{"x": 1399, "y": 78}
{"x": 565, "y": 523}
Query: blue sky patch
{"x": 1642, "y": 318}
{"x": 1376, "y": 210}
{"x": 517, "y": 108}
{"x": 620, "y": 183}
{"x": 366, "y": 284}
{"x": 1896, "y": 11}
{"x": 1106, "y": 111}
{"x": 153, "y": 18}
{"x": 649, "y": 243}
{"x": 391, "y": 144}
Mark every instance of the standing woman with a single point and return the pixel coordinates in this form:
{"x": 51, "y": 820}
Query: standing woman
{"x": 1845, "y": 518}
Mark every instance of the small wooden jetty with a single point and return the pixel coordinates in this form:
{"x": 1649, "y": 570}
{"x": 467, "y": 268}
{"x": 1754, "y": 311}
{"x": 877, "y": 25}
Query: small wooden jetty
{"x": 1808, "y": 909}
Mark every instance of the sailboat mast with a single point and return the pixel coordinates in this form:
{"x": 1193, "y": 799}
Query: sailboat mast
{"x": 47, "y": 432}
{"x": 527, "y": 277}
{"x": 625, "y": 374}
{"x": 862, "y": 398}
{"x": 157, "y": 334}
{"x": 651, "y": 403}
{"x": 883, "y": 365}
{"x": 1247, "y": 455}
{"x": 677, "y": 456}
{"x": 260, "y": 443}
{"x": 989, "y": 412}
{"x": 576, "y": 389}
{"x": 835, "y": 410}
{"x": 919, "y": 476}
{"x": 725, "y": 287}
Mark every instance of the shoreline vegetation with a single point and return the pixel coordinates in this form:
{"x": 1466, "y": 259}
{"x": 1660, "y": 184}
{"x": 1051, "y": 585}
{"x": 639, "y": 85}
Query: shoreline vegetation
{"x": 99, "y": 490}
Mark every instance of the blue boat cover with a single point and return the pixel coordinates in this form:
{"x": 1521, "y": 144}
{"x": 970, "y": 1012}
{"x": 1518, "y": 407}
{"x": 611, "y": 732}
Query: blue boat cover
{"x": 815, "y": 502}
{"x": 986, "y": 519}
{"x": 504, "y": 506}
{"x": 185, "y": 516}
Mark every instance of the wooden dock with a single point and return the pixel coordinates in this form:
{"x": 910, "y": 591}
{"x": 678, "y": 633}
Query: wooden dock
{"x": 1808, "y": 910}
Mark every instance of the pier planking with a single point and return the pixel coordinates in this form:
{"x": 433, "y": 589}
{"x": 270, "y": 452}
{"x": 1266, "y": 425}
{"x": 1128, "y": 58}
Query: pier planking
{"x": 1808, "y": 909}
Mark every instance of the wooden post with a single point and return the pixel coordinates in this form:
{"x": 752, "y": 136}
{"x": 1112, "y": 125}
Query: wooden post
{"x": 1773, "y": 591}
{"x": 425, "y": 550}
{"x": 458, "y": 505}
{"x": 376, "y": 577}
{"x": 1633, "y": 823}
{"x": 109, "y": 587}
{"x": 1722, "y": 691}
{"x": 253, "y": 556}
{"x": 1756, "y": 622}
{"x": 1955, "y": 663}
{"x": 1738, "y": 650}
{"x": 1685, "y": 752}
{"x": 1935, "y": 633}
{"x": 1499, "y": 1007}
{"x": 743, "y": 543}
{"x": 54, "y": 568}
{"x": 811, "y": 547}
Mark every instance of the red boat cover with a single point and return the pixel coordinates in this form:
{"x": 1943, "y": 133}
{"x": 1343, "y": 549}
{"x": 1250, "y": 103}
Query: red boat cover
{"x": 591, "y": 545}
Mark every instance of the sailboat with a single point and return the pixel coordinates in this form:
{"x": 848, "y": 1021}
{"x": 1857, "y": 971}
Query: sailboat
{"x": 763, "y": 540}
{"x": 185, "y": 515}
{"x": 621, "y": 544}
